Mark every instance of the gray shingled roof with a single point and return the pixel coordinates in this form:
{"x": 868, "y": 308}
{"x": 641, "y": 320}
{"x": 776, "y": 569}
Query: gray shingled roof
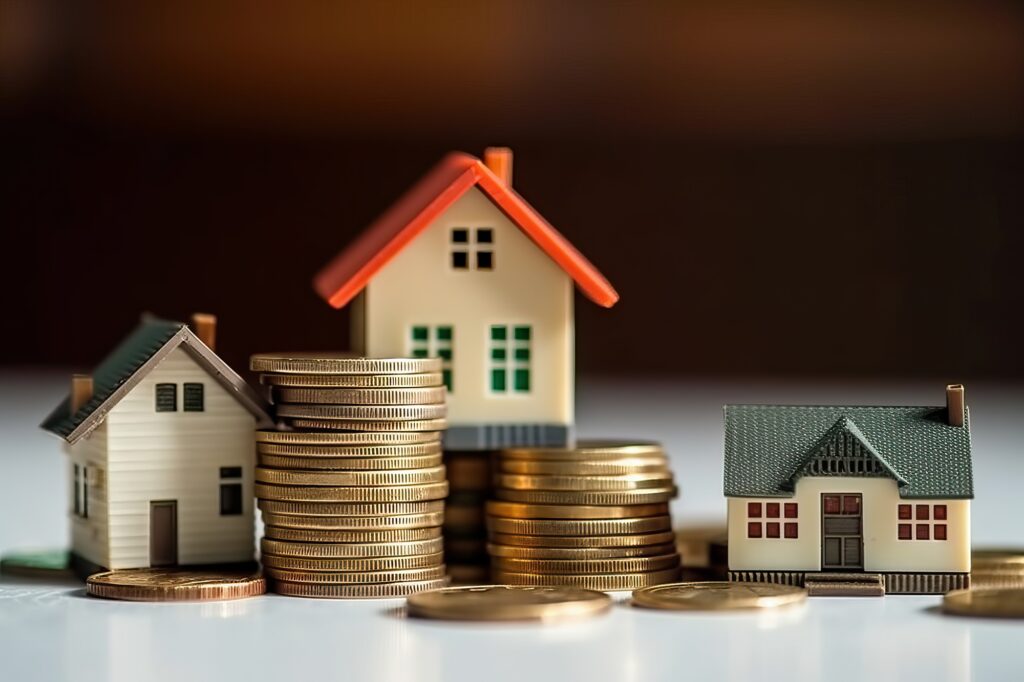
{"x": 130, "y": 361}
{"x": 766, "y": 445}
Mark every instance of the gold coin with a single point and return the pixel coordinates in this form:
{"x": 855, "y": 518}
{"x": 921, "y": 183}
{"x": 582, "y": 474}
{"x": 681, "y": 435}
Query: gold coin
{"x": 592, "y": 581}
{"x": 555, "y": 511}
{"x": 637, "y": 540}
{"x": 648, "y": 524}
{"x": 42, "y": 563}
{"x": 361, "y": 396}
{"x": 371, "y": 426}
{"x": 507, "y": 602}
{"x": 587, "y": 497}
{"x": 350, "y": 463}
{"x": 362, "y": 523}
{"x": 625, "y": 482}
{"x": 322, "y": 535}
{"x": 575, "y": 553}
{"x": 397, "y": 563}
{"x": 1001, "y": 560}
{"x": 353, "y": 478}
{"x": 609, "y": 467}
{"x": 340, "y": 363}
{"x": 589, "y": 450}
{"x": 349, "y": 508}
{"x": 356, "y": 451}
{"x": 422, "y": 380}
{"x": 176, "y": 584}
{"x": 579, "y": 566}
{"x": 342, "y": 438}
{"x": 401, "y": 493}
{"x": 324, "y": 550}
{"x": 381, "y": 591}
{"x": 360, "y": 412}
{"x": 718, "y": 596}
{"x": 355, "y": 577}
{"x": 995, "y": 602}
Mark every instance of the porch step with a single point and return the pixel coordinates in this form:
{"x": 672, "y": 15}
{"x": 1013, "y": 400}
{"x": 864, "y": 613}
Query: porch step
{"x": 844, "y": 585}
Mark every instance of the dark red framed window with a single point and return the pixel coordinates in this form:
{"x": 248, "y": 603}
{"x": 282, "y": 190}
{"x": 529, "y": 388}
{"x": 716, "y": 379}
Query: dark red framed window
{"x": 772, "y": 529}
{"x": 922, "y": 512}
{"x": 923, "y": 531}
{"x": 851, "y": 504}
{"x": 905, "y": 511}
{"x": 832, "y": 504}
{"x": 772, "y": 510}
{"x": 790, "y": 530}
{"x": 754, "y": 529}
{"x": 939, "y": 530}
{"x": 754, "y": 510}
{"x": 905, "y": 531}
{"x": 939, "y": 512}
{"x": 790, "y": 511}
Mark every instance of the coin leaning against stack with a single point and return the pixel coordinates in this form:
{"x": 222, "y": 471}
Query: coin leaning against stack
{"x": 352, "y": 496}
{"x": 594, "y": 516}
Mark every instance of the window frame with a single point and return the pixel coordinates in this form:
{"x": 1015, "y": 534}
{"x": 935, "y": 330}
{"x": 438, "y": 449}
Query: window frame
{"x": 231, "y": 491}
{"x": 472, "y": 248}
{"x": 510, "y": 359}
{"x": 165, "y": 390}
{"x": 192, "y": 387}
{"x": 437, "y": 340}
{"x": 922, "y": 521}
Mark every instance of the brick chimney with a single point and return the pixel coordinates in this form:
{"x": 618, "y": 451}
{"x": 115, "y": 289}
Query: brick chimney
{"x": 499, "y": 160}
{"x": 955, "y": 406}
{"x": 81, "y": 391}
{"x": 204, "y": 325}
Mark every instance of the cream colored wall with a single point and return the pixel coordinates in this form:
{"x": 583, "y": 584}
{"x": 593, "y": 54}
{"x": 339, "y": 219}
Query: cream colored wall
{"x": 883, "y": 551}
{"x": 177, "y": 456}
{"x": 89, "y": 535}
{"x": 525, "y": 287}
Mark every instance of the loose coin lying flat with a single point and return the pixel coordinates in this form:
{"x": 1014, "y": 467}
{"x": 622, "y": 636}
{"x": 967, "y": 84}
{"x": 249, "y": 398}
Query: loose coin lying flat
{"x": 579, "y": 566}
{"x": 320, "y": 535}
{"x": 362, "y": 523}
{"x": 340, "y": 363}
{"x": 354, "y": 451}
{"x": 176, "y": 584}
{"x": 42, "y": 563}
{"x": 397, "y": 563}
{"x": 351, "y": 463}
{"x": 611, "y": 467}
{"x": 577, "y": 553}
{"x": 593, "y": 581}
{"x": 381, "y": 591}
{"x": 718, "y": 596}
{"x": 648, "y": 524}
{"x": 401, "y": 493}
{"x": 364, "y": 412}
{"x": 401, "y": 477}
{"x": 507, "y": 602}
{"x": 996, "y": 602}
{"x": 370, "y": 425}
{"x": 327, "y": 550}
{"x": 624, "y": 482}
{"x": 353, "y": 380}
{"x": 588, "y": 450}
{"x": 587, "y": 497}
{"x": 361, "y": 396}
{"x": 635, "y": 540}
{"x": 350, "y": 508}
{"x": 341, "y": 438}
{"x": 356, "y": 577}
{"x": 567, "y": 511}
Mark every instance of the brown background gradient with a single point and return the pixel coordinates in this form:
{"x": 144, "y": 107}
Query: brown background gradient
{"x": 793, "y": 189}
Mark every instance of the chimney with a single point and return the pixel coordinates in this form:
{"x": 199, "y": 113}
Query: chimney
{"x": 499, "y": 160}
{"x": 955, "y": 407}
{"x": 81, "y": 391}
{"x": 204, "y": 325}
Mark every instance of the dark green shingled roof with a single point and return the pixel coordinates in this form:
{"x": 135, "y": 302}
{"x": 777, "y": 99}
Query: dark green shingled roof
{"x": 766, "y": 446}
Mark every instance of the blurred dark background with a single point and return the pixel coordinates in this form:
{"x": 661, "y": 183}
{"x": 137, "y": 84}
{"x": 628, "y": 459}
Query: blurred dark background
{"x": 797, "y": 189}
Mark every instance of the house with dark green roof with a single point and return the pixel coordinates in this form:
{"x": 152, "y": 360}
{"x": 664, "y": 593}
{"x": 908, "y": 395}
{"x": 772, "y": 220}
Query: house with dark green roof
{"x": 160, "y": 439}
{"x": 850, "y": 499}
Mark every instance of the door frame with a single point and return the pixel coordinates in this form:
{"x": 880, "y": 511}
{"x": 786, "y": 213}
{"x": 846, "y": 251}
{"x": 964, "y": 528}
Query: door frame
{"x": 173, "y": 506}
{"x": 859, "y": 536}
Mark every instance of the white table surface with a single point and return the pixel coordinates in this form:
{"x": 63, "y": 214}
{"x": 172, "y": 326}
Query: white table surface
{"x": 51, "y": 631}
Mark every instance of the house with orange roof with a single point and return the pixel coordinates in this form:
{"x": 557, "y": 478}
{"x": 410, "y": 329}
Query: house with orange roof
{"x": 464, "y": 269}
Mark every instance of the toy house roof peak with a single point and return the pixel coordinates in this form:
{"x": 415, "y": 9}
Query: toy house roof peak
{"x": 352, "y": 269}
{"x": 137, "y": 355}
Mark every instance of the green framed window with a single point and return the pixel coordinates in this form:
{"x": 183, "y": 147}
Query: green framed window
{"x": 426, "y": 341}
{"x": 510, "y": 358}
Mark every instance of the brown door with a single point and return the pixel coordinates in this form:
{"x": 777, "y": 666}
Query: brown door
{"x": 842, "y": 535}
{"x": 163, "y": 533}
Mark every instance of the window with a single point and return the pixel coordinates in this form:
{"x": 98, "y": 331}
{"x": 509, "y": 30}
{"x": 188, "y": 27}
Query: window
{"x": 434, "y": 342}
{"x": 930, "y": 521}
{"x": 80, "y": 493}
{"x": 166, "y": 397}
{"x": 510, "y": 358}
{"x": 230, "y": 491}
{"x": 771, "y": 529}
{"x": 472, "y": 248}
{"x": 193, "y": 398}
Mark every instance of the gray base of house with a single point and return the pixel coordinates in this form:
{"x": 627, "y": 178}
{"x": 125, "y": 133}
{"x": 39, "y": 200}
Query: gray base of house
{"x": 498, "y": 436}
{"x": 895, "y": 583}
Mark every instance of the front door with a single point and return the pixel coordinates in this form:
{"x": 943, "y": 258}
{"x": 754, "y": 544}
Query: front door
{"x": 163, "y": 533}
{"x": 842, "y": 534}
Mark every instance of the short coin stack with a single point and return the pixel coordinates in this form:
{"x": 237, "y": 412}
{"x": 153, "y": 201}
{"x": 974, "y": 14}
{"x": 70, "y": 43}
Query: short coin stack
{"x": 595, "y": 516}
{"x": 353, "y": 495}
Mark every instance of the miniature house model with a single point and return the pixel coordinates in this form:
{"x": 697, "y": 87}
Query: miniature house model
{"x": 855, "y": 495}
{"x": 461, "y": 267}
{"x": 161, "y": 448}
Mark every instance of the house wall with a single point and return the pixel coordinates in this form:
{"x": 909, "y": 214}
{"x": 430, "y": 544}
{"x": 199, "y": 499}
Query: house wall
{"x": 525, "y": 287}
{"x": 89, "y": 535}
{"x": 177, "y": 456}
{"x": 883, "y": 551}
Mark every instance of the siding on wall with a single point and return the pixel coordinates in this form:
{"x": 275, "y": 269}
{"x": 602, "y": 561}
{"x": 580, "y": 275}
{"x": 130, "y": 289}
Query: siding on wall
{"x": 89, "y": 537}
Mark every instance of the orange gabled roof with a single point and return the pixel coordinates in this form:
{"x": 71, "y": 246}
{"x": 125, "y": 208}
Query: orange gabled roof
{"x": 352, "y": 269}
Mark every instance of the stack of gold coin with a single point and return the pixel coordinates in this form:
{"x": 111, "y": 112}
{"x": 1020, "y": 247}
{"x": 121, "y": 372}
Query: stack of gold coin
{"x": 352, "y": 486}
{"x": 465, "y": 534}
{"x": 595, "y": 516}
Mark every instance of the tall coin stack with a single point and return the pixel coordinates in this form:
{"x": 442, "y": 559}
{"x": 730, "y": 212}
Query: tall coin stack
{"x": 352, "y": 495}
{"x": 595, "y": 516}
{"x": 465, "y": 534}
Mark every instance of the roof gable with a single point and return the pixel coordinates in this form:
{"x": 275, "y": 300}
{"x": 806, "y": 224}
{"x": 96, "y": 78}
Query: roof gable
{"x": 767, "y": 445}
{"x": 345, "y": 276}
{"x": 844, "y": 446}
{"x": 137, "y": 355}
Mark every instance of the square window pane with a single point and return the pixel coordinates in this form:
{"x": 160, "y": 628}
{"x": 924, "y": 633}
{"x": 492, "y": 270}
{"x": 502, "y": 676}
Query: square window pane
{"x": 790, "y": 511}
{"x": 523, "y": 354}
{"x": 484, "y": 260}
{"x": 497, "y": 354}
{"x": 522, "y": 380}
{"x": 498, "y": 380}
{"x": 484, "y": 235}
{"x": 772, "y": 529}
{"x": 522, "y": 333}
{"x": 922, "y": 512}
{"x": 922, "y": 531}
{"x": 193, "y": 397}
{"x": 460, "y": 235}
{"x": 790, "y": 530}
{"x": 940, "y": 531}
{"x": 444, "y": 333}
{"x": 904, "y": 531}
{"x": 772, "y": 510}
{"x": 419, "y": 333}
{"x": 460, "y": 260}
{"x": 851, "y": 504}
{"x": 231, "y": 472}
{"x": 831, "y": 504}
{"x": 939, "y": 512}
{"x": 166, "y": 397}
{"x": 904, "y": 511}
{"x": 419, "y": 352}
{"x": 754, "y": 510}
{"x": 499, "y": 332}
{"x": 445, "y": 353}
{"x": 754, "y": 529}
{"x": 230, "y": 499}
{"x": 446, "y": 375}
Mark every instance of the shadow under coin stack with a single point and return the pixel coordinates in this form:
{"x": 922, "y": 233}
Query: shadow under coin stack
{"x": 353, "y": 495}
{"x": 465, "y": 534}
{"x": 595, "y": 516}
